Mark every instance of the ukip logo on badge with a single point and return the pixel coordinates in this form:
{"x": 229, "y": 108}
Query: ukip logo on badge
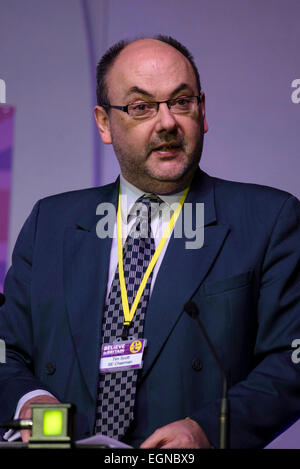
{"x": 136, "y": 346}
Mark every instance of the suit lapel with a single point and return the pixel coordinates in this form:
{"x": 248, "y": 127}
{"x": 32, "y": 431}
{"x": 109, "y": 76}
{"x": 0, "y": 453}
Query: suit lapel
{"x": 182, "y": 271}
{"x": 86, "y": 262}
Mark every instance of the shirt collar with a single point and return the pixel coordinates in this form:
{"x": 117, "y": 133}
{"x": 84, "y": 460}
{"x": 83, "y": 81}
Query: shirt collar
{"x": 131, "y": 193}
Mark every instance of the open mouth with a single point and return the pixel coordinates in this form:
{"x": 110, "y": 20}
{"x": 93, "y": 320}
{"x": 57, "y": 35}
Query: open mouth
{"x": 168, "y": 149}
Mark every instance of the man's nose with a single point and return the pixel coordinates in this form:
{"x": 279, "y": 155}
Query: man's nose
{"x": 165, "y": 119}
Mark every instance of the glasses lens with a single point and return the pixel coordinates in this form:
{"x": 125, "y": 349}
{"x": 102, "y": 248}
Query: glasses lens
{"x": 141, "y": 109}
{"x": 183, "y": 104}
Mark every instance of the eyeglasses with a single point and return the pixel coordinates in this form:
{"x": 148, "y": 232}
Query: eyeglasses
{"x": 147, "y": 109}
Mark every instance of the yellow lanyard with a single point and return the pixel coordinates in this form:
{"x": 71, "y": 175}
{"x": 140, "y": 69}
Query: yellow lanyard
{"x": 128, "y": 315}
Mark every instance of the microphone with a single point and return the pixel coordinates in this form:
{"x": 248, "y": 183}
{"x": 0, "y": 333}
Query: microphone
{"x": 17, "y": 424}
{"x": 191, "y": 308}
{"x": 2, "y": 299}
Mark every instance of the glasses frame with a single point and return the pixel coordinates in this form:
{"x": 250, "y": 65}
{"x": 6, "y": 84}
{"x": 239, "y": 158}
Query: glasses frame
{"x": 157, "y": 103}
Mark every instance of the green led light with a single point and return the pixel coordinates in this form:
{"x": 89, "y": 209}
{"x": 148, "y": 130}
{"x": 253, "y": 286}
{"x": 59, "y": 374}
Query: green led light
{"x": 53, "y": 422}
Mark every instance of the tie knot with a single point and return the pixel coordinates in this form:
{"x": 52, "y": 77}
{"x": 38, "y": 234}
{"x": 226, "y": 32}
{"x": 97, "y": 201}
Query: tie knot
{"x": 145, "y": 207}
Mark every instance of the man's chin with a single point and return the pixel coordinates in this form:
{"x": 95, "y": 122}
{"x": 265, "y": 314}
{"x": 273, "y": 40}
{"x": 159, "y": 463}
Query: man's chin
{"x": 168, "y": 172}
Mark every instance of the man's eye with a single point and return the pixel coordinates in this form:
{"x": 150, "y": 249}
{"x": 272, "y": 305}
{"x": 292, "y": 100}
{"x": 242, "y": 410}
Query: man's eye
{"x": 140, "y": 106}
{"x": 182, "y": 101}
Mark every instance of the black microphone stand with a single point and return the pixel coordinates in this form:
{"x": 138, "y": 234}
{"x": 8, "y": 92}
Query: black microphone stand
{"x": 192, "y": 309}
{"x": 2, "y": 299}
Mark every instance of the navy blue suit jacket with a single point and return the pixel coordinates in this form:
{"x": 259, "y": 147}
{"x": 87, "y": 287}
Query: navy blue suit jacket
{"x": 245, "y": 280}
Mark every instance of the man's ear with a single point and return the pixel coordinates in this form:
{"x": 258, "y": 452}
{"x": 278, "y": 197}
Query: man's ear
{"x": 102, "y": 122}
{"x": 202, "y": 105}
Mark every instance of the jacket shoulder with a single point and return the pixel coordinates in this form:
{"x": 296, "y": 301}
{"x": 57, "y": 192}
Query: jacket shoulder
{"x": 250, "y": 200}
{"x": 73, "y": 207}
{"x": 88, "y": 194}
{"x": 249, "y": 189}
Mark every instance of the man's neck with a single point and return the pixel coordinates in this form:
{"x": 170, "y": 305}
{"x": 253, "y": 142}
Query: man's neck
{"x": 161, "y": 187}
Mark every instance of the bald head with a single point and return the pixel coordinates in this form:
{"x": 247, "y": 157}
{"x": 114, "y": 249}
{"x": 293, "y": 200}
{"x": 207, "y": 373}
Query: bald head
{"x": 134, "y": 51}
{"x": 148, "y": 67}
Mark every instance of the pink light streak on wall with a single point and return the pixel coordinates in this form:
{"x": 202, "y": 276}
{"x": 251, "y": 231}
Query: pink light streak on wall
{"x": 6, "y": 150}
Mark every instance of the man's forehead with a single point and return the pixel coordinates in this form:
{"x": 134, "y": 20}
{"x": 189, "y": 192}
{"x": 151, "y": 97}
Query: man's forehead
{"x": 147, "y": 63}
{"x": 148, "y": 46}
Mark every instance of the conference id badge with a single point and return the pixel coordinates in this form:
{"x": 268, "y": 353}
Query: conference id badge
{"x": 121, "y": 356}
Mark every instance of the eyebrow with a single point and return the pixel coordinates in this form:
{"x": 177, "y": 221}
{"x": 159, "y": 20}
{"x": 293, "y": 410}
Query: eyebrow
{"x": 137, "y": 89}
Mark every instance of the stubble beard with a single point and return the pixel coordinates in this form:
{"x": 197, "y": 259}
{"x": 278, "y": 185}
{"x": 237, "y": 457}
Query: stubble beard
{"x": 148, "y": 180}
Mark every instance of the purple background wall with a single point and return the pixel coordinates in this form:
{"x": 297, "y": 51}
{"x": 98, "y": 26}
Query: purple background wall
{"x": 247, "y": 52}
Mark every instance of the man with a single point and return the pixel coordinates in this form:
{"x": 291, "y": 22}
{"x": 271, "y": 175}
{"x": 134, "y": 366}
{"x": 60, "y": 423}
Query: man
{"x": 244, "y": 279}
